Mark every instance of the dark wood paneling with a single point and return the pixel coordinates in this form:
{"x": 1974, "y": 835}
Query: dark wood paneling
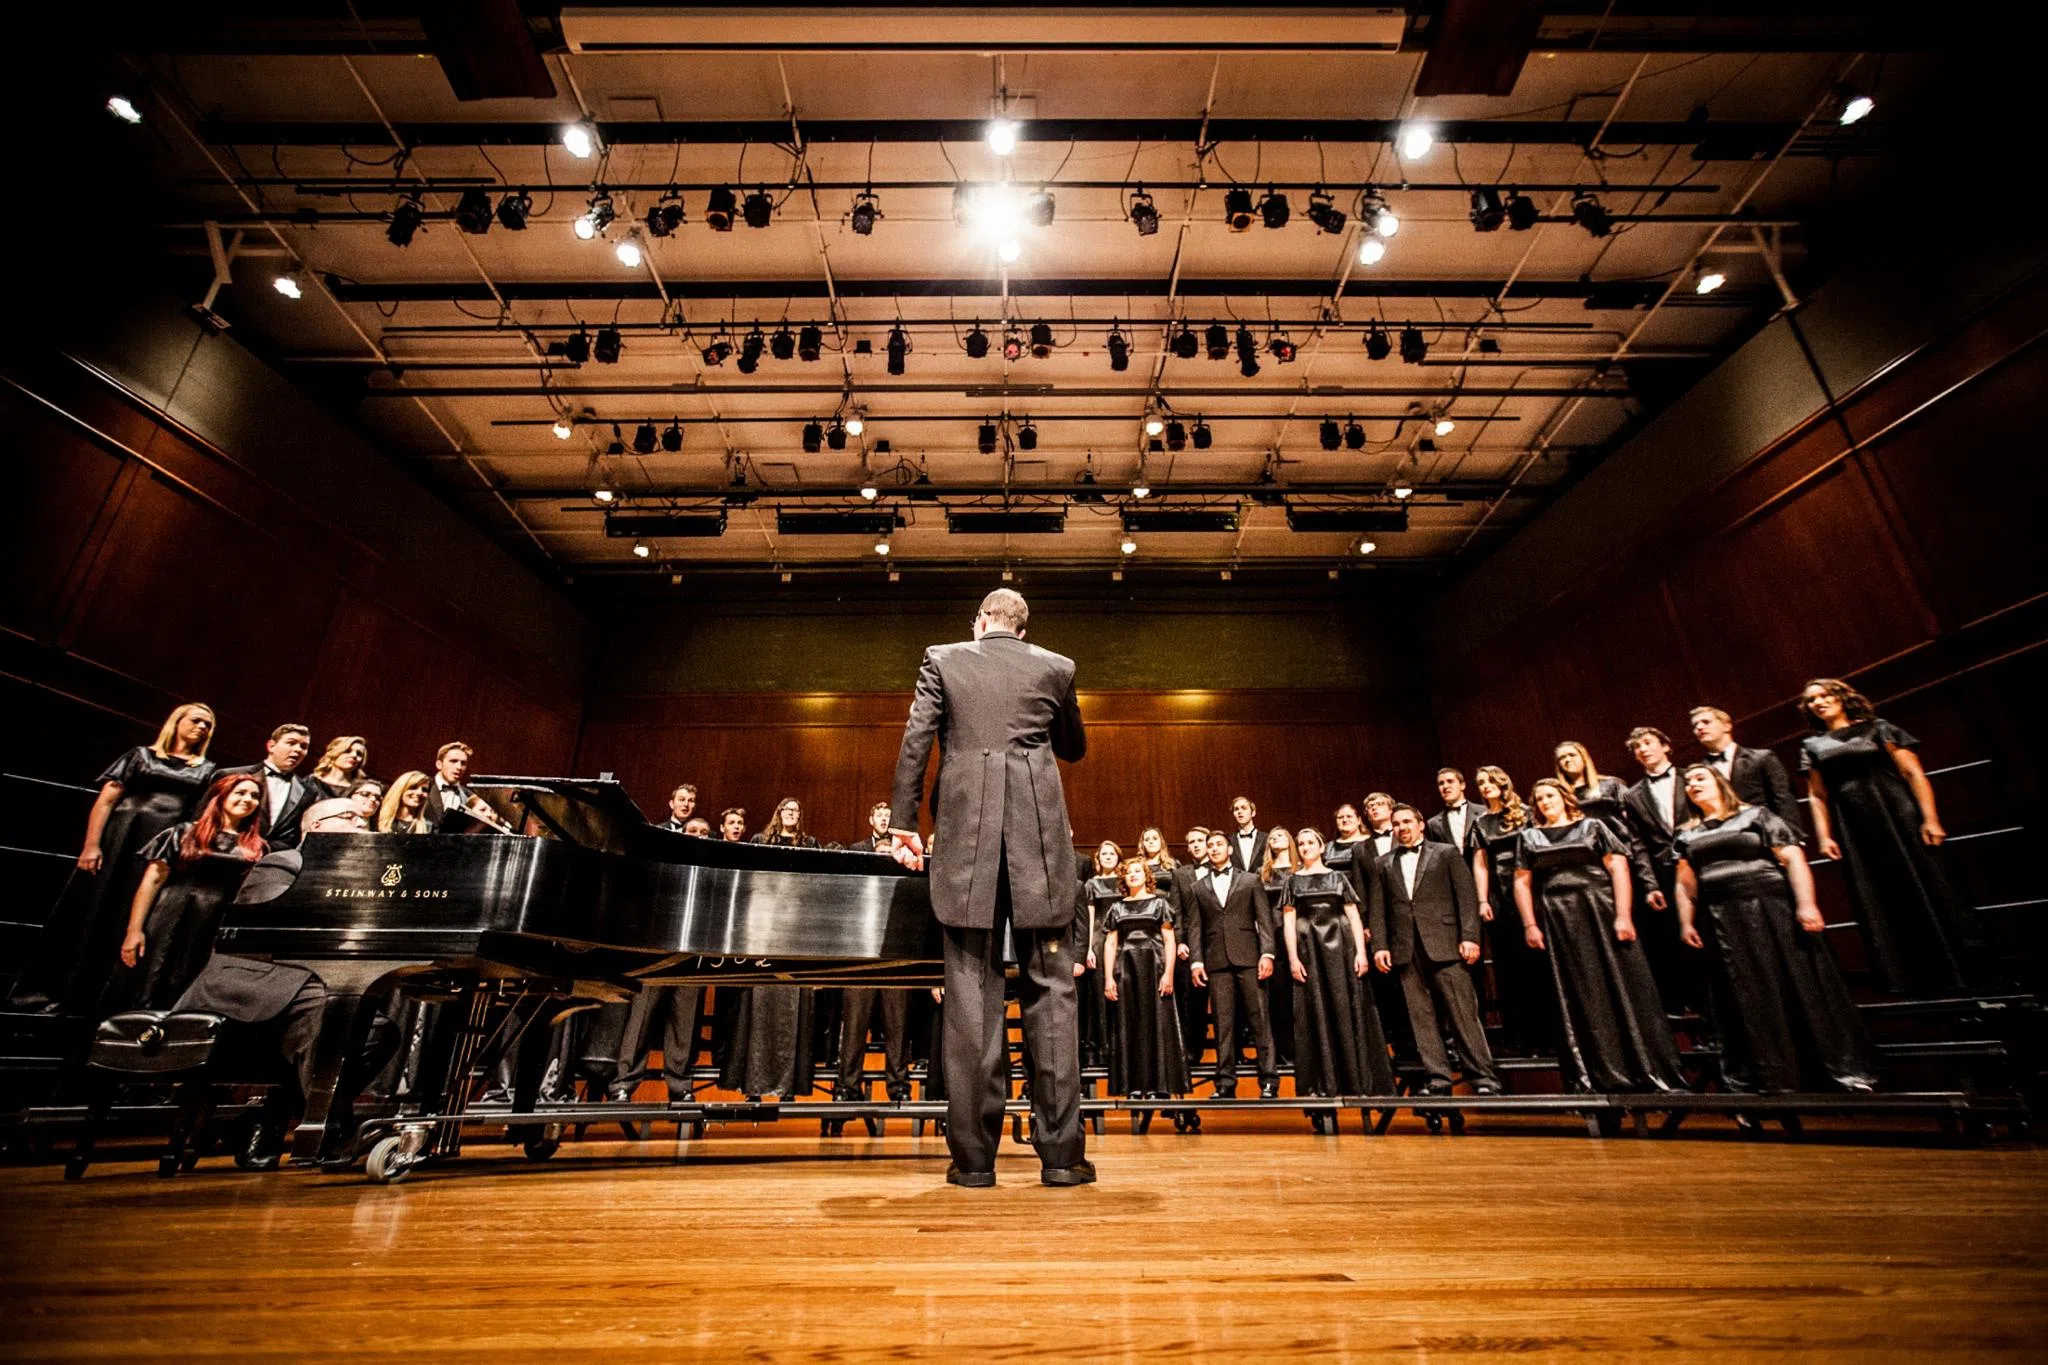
{"x": 60, "y": 485}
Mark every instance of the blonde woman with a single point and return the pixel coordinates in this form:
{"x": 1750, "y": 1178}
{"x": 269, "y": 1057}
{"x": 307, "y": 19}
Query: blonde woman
{"x": 405, "y": 806}
{"x": 1521, "y": 976}
{"x": 343, "y": 763}
{"x": 141, "y": 794}
{"x": 1599, "y": 797}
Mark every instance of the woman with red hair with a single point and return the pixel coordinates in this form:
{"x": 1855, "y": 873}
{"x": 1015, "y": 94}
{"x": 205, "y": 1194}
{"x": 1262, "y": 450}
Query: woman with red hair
{"x": 190, "y": 873}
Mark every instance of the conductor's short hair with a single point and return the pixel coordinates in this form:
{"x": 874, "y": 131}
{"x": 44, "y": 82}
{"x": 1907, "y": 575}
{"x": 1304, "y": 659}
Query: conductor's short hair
{"x": 1006, "y": 607}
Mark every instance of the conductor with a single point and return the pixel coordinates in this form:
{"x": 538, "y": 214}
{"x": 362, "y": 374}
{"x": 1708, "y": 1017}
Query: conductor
{"x": 1002, "y": 711}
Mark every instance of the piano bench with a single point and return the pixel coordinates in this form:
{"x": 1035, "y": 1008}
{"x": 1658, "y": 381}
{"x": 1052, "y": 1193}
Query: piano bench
{"x": 182, "y": 1047}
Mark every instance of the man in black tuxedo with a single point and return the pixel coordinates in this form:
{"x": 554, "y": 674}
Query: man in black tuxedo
{"x": 1379, "y": 824}
{"x": 682, "y": 808}
{"x": 285, "y": 794}
{"x": 1756, "y": 774}
{"x": 449, "y": 789}
{"x": 1247, "y": 840}
{"x": 1230, "y": 926}
{"x": 1003, "y": 714}
{"x": 1656, "y": 807}
{"x": 1457, "y": 824}
{"x": 1425, "y": 926}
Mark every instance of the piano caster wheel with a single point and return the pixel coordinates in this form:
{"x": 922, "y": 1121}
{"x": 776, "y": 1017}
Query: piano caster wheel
{"x": 1435, "y": 1122}
{"x": 388, "y": 1163}
{"x": 541, "y": 1148}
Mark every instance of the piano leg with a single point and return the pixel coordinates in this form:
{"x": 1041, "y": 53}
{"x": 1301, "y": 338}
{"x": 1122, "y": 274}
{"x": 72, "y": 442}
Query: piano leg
{"x": 327, "y": 1131}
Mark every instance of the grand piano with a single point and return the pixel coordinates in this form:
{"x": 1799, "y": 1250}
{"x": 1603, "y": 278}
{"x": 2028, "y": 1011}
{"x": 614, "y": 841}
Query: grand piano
{"x": 588, "y": 904}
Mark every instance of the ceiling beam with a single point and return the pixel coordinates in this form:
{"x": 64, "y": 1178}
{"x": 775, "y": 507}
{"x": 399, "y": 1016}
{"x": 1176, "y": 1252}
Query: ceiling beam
{"x": 1445, "y": 492}
{"x": 992, "y": 392}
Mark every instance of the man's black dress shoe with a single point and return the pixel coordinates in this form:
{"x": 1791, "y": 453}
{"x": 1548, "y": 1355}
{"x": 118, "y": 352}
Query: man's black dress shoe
{"x": 1269, "y": 1090}
{"x": 1080, "y": 1173}
{"x": 1486, "y": 1087}
{"x": 973, "y": 1180}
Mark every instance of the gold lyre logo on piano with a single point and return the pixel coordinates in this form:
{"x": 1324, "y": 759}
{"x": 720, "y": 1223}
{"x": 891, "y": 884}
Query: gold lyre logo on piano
{"x": 393, "y": 873}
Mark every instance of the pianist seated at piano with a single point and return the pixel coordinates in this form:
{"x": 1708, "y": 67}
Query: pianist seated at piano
{"x": 368, "y": 799}
{"x": 698, "y": 827}
{"x": 190, "y": 872}
{"x": 404, "y": 810}
{"x": 682, "y": 807}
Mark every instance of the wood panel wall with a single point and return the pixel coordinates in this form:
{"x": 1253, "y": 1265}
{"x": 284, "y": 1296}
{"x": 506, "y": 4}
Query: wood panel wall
{"x": 146, "y": 568}
{"x": 1171, "y": 758}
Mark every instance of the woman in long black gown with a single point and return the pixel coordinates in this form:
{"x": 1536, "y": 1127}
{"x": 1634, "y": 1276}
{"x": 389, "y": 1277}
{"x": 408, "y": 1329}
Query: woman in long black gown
{"x": 1789, "y": 1017}
{"x": 1599, "y": 798}
{"x": 1873, "y": 810}
{"x": 1098, "y": 893}
{"x": 1339, "y": 1046}
{"x": 1145, "y": 1053}
{"x": 773, "y": 1048}
{"x": 1521, "y": 976}
{"x": 1573, "y": 893}
{"x": 190, "y": 873}
{"x": 1276, "y": 865}
{"x": 142, "y": 793}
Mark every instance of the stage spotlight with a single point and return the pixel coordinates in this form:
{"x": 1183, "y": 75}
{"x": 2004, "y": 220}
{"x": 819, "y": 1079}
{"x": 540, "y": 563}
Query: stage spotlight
{"x": 1522, "y": 211}
{"x": 1708, "y": 279}
{"x": 1013, "y": 343}
{"x": 1247, "y": 352}
{"x": 1445, "y": 426}
{"x": 1488, "y": 210}
{"x": 1185, "y": 343}
{"x": 865, "y": 210}
{"x": 882, "y": 547}
{"x": 1590, "y": 214}
{"x": 512, "y": 210}
{"x": 1403, "y": 492}
{"x": 1010, "y": 250}
{"x": 1324, "y": 213}
{"x": 899, "y": 346}
{"x": 1375, "y": 214}
{"x": 579, "y": 139}
{"x": 607, "y": 346}
{"x": 405, "y": 220}
{"x": 563, "y": 428}
{"x": 1366, "y": 547}
{"x": 1416, "y": 140}
{"x": 758, "y": 209}
{"x": 1216, "y": 341}
{"x": 288, "y": 285}
{"x": 810, "y": 343}
{"x": 584, "y": 228}
{"x": 576, "y": 346}
{"x": 1041, "y": 340}
{"x": 123, "y": 108}
{"x": 1354, "y": 436}
{"x": 1329, "y": 434}
{"x": 783, "y": 344}
{"x": 645, "y": 439}
{"x": 1377, "y": 347}
{"x": 641, "y": 549}
{"x": 1282, "y": 348}
{"x": 717, "y": 352}
{"x": 1237, "y": 209}
{"x": 628, "y": 252}
{"x": 672, "y": 437}
{"x": 1154, "y": 424}
{"x": 869, "y": 491}
{"x": 835, "y": 435}
{"x": 1027, "y": 437}
{"x": 1273, "y": 209}
{"x": 985, "y": 438}
{"x": 1371, "y": 250}
{"x": 1201, "y": 435}
{"x": 813, "y": 437}
{"x": 977, "y": 343}
{"x": 1127, "y": 546}
{"x": 1002, "y": 136}
{"x": 1414, "y": 349}
{"x": 1144, "y": 214}
{"x": 855, "y": 423}
{"x": 1119, "y": 351}
{"x": 1855, "y": 106}
{"x": 1038, "y": 208}
{"x": 720, "y": 208}
{"x": 751, "y": 346}
{"x": 1176, "y": 436}
{"x": 1141, "y": 489}
{"x": 473, "y": 212}
{"x": 617, "y": 446}
{"x": 666, "y": 215}
{"x": 597, "y": 217}
{"x": 604, "y": 495}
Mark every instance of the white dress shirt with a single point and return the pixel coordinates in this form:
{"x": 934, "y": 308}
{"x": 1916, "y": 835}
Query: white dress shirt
{"x": 1664, "y": 791}
{"x": 1456, "y": 819}
{"x": 1382, "y": 842}
{"x": 1407, "y": 858}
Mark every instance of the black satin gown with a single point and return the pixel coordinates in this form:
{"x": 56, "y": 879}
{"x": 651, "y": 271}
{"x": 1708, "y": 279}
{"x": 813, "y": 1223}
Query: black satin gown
{"x": 1339, "y": 1046}
{"x": 1191, "y": 1001}
{"x": 1603, "y": 802}
{"x": 1145, "y": 1052}
{"x": 1788, "y": 1017}
{"x": 1613, "y": 1036}
{"x": 1280, "y": 988}
{"x": 1915, "y": 931}
{"x": 1097, "y": 894}
{"x": 774, "y": 1031}
{"x": 179, "y": 930}
{"x": 1522, "y": 991}
{"x": 80, "y": 946}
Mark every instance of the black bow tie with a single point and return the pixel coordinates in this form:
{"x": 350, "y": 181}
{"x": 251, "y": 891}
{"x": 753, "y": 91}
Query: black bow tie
{"x": 1664, "y": 776}
{"x": 1409, "y": 849}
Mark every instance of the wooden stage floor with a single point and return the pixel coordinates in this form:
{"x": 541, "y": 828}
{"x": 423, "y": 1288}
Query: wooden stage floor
{"x": 1531, "y": 1239}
